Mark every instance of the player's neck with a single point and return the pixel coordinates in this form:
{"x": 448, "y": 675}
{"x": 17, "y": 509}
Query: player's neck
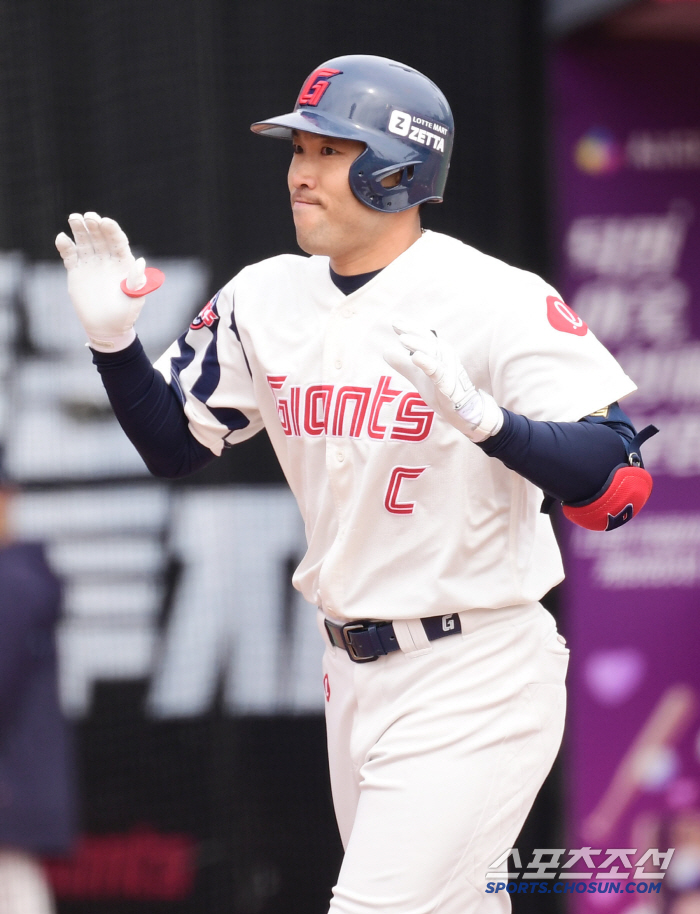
{"x": 379, "y": 253}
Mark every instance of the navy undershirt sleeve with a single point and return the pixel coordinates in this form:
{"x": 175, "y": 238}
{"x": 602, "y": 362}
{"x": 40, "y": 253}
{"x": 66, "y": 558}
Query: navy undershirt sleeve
{"x": 571, "y": 461}
{"x": 150, "y": 413}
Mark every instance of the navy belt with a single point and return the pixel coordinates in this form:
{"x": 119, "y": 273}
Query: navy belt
{"x": 367, "y": 641}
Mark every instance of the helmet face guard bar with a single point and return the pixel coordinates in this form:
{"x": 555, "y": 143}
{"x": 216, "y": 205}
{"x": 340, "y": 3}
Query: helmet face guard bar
{"x": 402, "y": 117}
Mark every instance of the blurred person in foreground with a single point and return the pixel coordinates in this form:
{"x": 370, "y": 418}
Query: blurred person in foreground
{"x": 37, "y": 794}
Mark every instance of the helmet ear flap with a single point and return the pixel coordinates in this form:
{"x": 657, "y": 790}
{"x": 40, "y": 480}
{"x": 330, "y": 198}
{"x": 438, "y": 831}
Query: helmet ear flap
{"x": 403, "y": 175}
{"x": 367, "y": 182}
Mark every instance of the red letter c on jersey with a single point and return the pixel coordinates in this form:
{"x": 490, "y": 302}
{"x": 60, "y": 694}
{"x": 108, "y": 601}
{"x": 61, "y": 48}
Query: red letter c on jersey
{"x": 391, "y": 502}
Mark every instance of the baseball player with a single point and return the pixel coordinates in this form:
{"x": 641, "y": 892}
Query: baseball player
{"x": 421, "y": 398}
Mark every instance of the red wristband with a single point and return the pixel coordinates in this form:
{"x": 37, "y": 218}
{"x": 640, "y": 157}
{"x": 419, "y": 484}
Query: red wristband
{"x": 154, "y": 280}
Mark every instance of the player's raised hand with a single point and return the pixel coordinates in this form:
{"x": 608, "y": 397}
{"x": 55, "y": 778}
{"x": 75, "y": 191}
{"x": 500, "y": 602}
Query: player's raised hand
{"x": 473, "y": 412}
{"x": 106, "y": 283}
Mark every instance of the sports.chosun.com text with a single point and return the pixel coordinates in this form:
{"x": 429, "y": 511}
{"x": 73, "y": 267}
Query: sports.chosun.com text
{"x": 542, "y": 888}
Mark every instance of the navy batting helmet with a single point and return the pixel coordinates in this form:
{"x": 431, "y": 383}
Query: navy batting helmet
{"x": 401, "y": 116}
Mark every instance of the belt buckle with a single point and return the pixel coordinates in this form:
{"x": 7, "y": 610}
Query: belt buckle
{"x": 352, "y": 653}
{"x": 345, "y": 632}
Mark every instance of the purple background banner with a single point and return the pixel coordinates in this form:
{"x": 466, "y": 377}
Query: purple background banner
{"x": 627, "y": 135}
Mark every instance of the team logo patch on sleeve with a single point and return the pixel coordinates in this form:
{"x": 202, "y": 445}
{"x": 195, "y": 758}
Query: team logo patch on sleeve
{"x": 208, "y": 316}
{"x": 561, "y": 317}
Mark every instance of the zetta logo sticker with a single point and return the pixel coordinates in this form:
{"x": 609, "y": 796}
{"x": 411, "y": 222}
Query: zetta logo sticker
{"x": 208, "y": 316}
{"x": 561, "y": 317}
{"x": 314, "y": 87}
{"x": 403, "y": 124}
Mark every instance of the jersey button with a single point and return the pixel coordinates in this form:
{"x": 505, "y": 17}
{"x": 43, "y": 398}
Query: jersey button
{"x": 338, "y": 364}
{"x": 348, "y": 312}
{"x": 339, "y": 456}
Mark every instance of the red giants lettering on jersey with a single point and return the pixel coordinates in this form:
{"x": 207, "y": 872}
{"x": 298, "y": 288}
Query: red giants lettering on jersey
{"x": 356, "y": 398}
{"x": 383, "y": 395}
{"x": 318, "y": 396}
{"x": 314, "y": 87}
{"x": 415, "y": 419}
{"x": 351, "y": 411}
{"x": 276, "y": 383}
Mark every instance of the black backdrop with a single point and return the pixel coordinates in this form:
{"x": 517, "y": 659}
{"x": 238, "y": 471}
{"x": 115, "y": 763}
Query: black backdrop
{"x": 139, "y": 109}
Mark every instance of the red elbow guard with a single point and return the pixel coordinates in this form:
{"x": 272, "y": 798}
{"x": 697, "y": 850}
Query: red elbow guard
{"x": 623, "y": 497}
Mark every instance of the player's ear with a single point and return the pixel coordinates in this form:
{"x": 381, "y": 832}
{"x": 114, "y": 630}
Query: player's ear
{"x": 392, "y": 180}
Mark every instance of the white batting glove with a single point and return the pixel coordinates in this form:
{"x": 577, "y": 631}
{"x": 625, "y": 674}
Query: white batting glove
{"x": 106, "y": 284}
{"x": 472, "y": 412}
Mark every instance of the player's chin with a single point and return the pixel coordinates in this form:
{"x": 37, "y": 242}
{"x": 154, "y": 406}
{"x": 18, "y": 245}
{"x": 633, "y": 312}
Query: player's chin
{"x": 311, "y": 238}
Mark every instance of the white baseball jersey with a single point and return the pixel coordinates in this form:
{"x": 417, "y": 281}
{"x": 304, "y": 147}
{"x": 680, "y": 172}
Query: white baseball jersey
{"x": 404, "y": 516}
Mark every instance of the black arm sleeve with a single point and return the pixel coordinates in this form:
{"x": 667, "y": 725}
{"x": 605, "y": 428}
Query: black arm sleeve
{"x": 150, "y": 413}
{"x": 570, "y": 461}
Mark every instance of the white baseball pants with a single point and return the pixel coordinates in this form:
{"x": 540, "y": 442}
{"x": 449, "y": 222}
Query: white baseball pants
{"x": 436, "y": 757}
{"x": 23, "y": 885}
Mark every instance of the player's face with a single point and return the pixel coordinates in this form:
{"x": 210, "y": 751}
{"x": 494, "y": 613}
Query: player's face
{"x": 328, "y": 217}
